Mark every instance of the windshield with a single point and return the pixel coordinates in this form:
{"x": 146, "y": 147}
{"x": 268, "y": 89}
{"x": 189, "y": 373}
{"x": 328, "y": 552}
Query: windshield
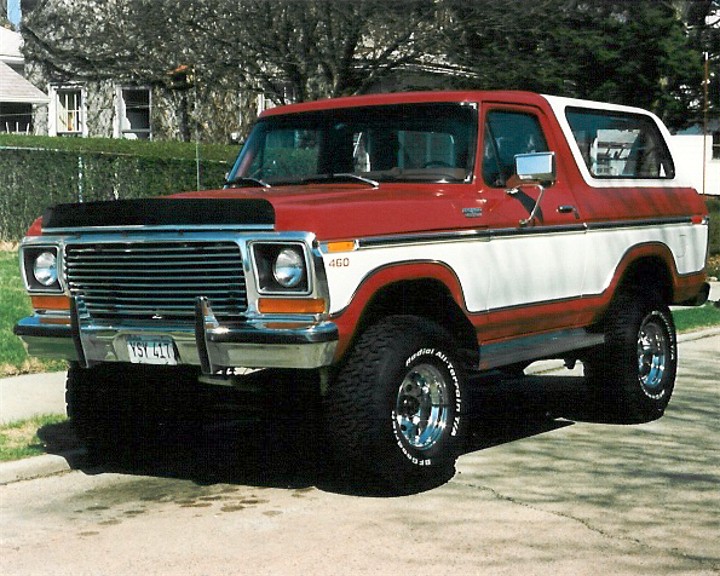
{"x": 410, "y": 142}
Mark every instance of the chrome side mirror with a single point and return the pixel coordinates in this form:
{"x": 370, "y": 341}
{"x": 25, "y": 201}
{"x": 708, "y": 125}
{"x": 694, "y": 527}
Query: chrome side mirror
{"x": 535, "y": 169}
{"x": 538, "y": 167}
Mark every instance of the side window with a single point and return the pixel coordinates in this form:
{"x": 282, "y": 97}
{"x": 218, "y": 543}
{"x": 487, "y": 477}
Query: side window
{"x": 620, "y": 145}
{"x": 506, "y": 135}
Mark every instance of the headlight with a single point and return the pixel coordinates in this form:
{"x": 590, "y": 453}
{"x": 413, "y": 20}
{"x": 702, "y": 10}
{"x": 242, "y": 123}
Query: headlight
{"x": 281, "y": 268}
{"x": 45, "y": 269}
{"x": 41, "y": 268}
{"x": 289, "y": 268}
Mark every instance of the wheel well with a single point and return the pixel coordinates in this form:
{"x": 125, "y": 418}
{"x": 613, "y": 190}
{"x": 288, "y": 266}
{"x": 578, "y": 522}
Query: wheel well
{"x": 427, "y": 298}
{"x": 648, "y": 274}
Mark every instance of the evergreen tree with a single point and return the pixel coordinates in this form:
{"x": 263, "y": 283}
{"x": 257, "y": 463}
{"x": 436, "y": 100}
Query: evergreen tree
{"x": 628, "y": 52}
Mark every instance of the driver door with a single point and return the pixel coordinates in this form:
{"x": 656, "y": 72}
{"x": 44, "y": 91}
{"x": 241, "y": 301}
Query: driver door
{"x": 533, "y": 261}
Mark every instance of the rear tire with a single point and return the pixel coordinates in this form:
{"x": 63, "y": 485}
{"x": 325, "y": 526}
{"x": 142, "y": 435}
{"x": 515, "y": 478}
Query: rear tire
{"x": 393, "y": 415}
{"x": 633, "y": 374}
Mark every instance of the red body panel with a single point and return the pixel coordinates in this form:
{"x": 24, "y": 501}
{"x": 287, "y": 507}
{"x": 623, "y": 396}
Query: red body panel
{"x": 349, "y": 318}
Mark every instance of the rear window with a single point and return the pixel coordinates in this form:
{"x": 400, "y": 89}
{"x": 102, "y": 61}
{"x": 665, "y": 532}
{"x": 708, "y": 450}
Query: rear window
{"x": 620, "y": 145}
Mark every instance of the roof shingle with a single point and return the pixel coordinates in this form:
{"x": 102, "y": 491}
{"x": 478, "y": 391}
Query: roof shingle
{"x": 15, "y": 88}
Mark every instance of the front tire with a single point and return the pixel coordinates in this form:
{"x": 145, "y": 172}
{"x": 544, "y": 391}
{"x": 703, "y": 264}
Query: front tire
{"x": 394, "y": 413}
{"x": 94, "y": 408}
{"x": 115, "y": 408}
{"x": 634, "y": 372}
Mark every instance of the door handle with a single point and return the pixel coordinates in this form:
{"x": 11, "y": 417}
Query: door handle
{"x": 569, "y": 209}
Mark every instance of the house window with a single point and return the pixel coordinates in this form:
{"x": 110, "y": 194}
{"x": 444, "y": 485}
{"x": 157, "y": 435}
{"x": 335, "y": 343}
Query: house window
{"x": 69, "y": 113}
{"x": 716, "y": 146}
{"x": 15, "y": 118}
{"x": 134, "y": 106}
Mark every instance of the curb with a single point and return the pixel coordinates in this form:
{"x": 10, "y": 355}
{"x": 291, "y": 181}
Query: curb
{"x": 38, "y": 467}
{"x": 698, "y": 335}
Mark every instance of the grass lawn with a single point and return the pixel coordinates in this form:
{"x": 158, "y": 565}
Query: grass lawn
{"x": 14, "y": 304}
{"x": 696, "y": 318}
{"x": 23, "y": 439}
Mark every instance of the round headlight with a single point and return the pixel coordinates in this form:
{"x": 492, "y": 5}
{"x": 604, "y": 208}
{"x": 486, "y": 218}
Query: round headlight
{"x": 289, "y": 268}
{"x": 45, "y": 269}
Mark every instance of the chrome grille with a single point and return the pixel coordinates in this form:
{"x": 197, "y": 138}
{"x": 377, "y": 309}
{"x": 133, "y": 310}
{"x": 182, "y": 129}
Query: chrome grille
{"x": 157, "y": 280}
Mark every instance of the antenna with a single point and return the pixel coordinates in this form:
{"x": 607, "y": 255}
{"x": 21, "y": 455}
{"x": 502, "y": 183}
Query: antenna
{"x": 706, "y": 82}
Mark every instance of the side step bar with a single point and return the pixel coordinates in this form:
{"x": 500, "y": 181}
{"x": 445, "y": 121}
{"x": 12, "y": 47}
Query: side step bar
{"x": 539, "y": 347}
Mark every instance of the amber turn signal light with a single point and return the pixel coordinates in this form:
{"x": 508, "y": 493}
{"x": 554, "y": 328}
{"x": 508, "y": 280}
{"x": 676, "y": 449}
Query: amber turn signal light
{"x": 291, "y": 305}
{"x": 50, "y": 302}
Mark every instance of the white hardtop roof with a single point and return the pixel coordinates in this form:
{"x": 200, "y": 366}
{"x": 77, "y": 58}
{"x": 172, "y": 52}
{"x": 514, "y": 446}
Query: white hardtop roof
{"x": 559, "y": 104}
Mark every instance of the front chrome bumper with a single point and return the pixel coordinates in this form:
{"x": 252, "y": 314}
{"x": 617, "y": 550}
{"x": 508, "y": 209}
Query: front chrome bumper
{"x": 280, "y": 343}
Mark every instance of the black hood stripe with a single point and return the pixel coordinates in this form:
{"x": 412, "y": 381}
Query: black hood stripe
{"x": 161, "y": 212}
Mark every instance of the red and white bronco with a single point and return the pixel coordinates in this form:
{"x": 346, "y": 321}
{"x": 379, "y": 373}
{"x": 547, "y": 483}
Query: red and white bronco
{"x": 389, "y": 245}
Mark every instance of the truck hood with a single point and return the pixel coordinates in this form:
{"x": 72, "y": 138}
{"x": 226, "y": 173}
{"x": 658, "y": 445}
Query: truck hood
{"x": 331, "y": 212}
{"x": 349, "y": 211}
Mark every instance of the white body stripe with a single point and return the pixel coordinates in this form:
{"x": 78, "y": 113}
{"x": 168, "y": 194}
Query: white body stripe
{"x": 514, "y": 270}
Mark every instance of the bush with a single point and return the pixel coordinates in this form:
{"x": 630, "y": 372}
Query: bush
{"x": 713, "y": 268}
{"x": 713, "y": 204}
{"x": 37, "y": 172}
{"x": 147, "y": 148}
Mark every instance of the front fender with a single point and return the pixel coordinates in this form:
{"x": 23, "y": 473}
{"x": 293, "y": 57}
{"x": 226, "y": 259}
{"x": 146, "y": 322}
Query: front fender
{"x": 353, "y": 317}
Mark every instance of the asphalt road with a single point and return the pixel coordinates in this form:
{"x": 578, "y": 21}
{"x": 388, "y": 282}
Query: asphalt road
{"x": 545, "y": 488}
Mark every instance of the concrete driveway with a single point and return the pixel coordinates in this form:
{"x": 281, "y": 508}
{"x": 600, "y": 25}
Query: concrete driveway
{"x": 537, "y": 495}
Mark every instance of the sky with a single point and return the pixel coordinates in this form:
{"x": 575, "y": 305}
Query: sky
{"x": 13, "y": 8}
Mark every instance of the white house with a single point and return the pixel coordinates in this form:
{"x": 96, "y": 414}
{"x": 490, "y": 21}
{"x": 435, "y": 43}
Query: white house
{"x": 699, "y": 158}
{"x": 18, "y": 97}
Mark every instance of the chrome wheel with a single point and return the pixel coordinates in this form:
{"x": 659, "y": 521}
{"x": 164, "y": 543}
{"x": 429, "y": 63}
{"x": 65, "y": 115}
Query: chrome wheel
{"x": 422, "y": 409}
{"x": 394, "y": 414}
{"x": 653, "y": 351}
{"x": 632, "y": 376}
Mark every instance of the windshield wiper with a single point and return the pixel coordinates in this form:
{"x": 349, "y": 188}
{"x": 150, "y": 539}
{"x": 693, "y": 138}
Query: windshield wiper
{"x": 426, "y": 177}
{"x": 240, "y": 181}
{"x": 341, "y": 177}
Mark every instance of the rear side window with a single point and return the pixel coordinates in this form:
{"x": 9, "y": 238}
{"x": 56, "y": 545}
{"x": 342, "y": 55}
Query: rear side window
{"x": 620, "y": 145}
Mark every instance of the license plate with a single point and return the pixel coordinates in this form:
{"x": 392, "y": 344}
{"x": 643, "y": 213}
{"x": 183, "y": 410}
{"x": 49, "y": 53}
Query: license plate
{"x": 151, "y": 350}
